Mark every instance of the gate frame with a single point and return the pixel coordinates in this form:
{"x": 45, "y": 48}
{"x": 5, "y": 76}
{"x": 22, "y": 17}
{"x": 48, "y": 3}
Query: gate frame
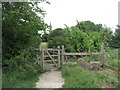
{"x": 43, "y": 50}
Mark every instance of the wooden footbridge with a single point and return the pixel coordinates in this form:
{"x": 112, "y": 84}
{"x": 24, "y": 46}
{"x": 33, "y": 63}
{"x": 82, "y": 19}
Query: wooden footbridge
{"x": 54, "y": 57}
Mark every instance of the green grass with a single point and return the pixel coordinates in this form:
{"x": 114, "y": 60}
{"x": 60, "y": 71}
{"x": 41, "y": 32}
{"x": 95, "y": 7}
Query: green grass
{"x": 77, "y": 77}
{"x": 111, "y": 58}
{"x": 12, "y": 80}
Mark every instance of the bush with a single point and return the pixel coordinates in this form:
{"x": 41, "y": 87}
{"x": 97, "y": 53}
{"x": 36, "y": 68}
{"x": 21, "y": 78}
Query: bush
{"x": 21, "y": 69}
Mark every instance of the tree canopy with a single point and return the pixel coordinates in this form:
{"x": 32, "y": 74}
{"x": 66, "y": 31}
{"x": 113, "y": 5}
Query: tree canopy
{"x": 20, "y": 25}
{"x": 85, "y": 36}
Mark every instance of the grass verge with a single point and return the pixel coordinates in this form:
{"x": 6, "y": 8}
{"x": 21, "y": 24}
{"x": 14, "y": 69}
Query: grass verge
{"x": 77, "y": 77}
{"x": 13, "y": 81}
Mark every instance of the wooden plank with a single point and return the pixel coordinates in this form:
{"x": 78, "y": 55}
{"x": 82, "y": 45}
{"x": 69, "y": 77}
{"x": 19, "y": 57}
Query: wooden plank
{"x": 42, "y": 59}
{"x": 58, "y": 57}
{"x": 50, "y": 55}
{"x": 51, "y": 58}
{"x": 102, "y": 47}
{"x": 84, "y": 53}
{"x": 51, "y": 49}
{"x": 52, "y": 64}
{"x": 62, "y": 53}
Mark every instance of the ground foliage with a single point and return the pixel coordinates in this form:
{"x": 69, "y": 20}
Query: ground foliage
{"x": 77, "y": 77}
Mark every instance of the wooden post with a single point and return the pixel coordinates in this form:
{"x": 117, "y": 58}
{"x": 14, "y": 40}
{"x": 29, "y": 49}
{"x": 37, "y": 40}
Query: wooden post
{"x": 102, "y": 48}
{"x": 59, "y": 57}
{"x": 62, "y": 54}
{"x": 102, "y": 52}
{"x": 42, "y": 58}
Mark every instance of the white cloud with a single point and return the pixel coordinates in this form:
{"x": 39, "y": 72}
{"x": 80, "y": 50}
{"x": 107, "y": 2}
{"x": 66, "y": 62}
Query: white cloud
{"x": 61, "y": 12}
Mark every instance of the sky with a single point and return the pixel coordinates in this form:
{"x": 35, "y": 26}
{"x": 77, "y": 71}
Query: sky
{"x": 61, "y": 12}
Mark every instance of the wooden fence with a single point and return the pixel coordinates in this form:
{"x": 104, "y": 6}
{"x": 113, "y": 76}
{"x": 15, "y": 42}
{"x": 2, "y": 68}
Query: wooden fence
{"x": 61, "y": 54}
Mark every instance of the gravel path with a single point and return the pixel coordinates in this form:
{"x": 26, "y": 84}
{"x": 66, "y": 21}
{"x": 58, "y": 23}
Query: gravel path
{"x": 52, "y": 79}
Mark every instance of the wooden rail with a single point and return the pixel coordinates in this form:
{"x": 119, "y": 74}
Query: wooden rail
{"x": 51, "y": 49}
{"x": 63, "y": 53}
{"x": 84, "y": 53}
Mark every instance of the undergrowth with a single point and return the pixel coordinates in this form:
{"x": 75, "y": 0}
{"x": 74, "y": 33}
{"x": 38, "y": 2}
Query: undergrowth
{"x": 21, "y": 71}
{"x": 77, "y": 77}
{"x": 18, "y": 80}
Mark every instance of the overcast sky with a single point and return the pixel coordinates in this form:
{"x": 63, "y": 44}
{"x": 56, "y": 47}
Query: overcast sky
{"x": 61, "y": 12}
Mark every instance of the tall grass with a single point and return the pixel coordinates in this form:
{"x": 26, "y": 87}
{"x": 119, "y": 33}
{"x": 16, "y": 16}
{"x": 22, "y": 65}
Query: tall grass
{"x": 12, "y": 81}
{"x": 110, "y": 57}
{"x": 16, "y": 80}
{"x": 77, "y": 77}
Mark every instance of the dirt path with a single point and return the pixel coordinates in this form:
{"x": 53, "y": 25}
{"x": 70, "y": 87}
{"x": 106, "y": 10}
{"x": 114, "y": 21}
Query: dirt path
{"x": 52, "y": 79}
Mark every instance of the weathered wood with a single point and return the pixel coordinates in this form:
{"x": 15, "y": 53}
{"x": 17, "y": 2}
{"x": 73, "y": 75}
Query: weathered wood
{"x": 51, "y": 58}
{"x": 52, "y": 49}
{"x": 50, "y": 55}
{"x": 102, "y": 47}
{"x": 57, "y": 52}
{"x": 52, "y": 64}
{"x": 84, "y": 53}
{"x": 59, "y": 57}
{"x": 62, "y": 54}
{"x": 42, "y": 58}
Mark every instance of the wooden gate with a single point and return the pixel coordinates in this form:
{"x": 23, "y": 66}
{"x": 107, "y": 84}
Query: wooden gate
{"x": 55, "y": 56}
{"x": 50, "y": 57}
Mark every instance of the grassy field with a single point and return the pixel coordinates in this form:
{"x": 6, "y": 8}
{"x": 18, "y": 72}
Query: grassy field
{"x": 77, "y": 77}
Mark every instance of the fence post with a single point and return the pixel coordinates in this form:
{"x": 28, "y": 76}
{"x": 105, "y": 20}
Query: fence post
{"x": 102, "y": 52}
{"x": 58, "y": 56}
{"x": 40, "y": 55}
{"x": 62, "y": 54}
{"x": 42, "y": 58}
{"x": 102, "y": 48}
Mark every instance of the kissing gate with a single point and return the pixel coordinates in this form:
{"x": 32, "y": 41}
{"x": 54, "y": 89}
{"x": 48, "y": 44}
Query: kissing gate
{"x": 54, "y": 57}
{"x": 51, "y": 57}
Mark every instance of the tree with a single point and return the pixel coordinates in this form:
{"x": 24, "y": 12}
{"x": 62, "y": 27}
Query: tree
{"x": 80, "y": 38}
{"x": 116, "y": 38}
{"x": 56, "y": 38}
{"x": 88, "y": 26}
{"x": 77, "y": 40}
{"x": 20, "y": 23}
